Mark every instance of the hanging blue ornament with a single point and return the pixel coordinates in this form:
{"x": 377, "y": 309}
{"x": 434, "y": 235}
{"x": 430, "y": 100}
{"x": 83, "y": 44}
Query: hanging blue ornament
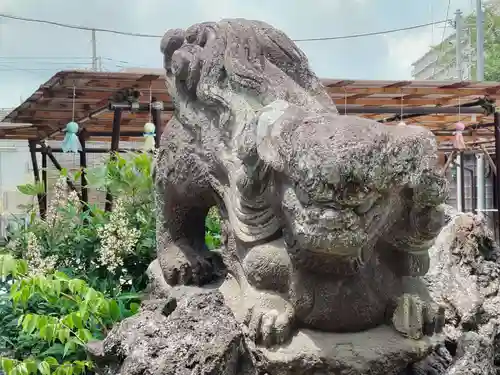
{"x": 71, "y": 143}
{"x": 149, "y": 136}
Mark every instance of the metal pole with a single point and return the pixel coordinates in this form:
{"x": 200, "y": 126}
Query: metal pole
{"x": 458, "y": 44}
{"x": 36, "y": 176}
{"x": 115, "y": 144}
{"x": 462, "y": 182}
{"x": 480, "y": 41}
{"x": 458, "y": 183}
{"x": 497, "y": 162}
{"x": 83, "y": 165}
{"x": 458, "y": 62}
{"x": 480, "y": 194}
{"x": 45, "y": 183}
{"x": 94, "y": 51}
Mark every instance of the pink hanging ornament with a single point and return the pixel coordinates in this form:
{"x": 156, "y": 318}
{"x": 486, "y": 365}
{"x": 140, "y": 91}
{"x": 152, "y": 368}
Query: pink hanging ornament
{"x": 459, "y": 142}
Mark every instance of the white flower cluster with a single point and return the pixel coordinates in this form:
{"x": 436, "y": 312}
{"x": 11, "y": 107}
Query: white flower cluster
{"x": 116, "y": 237}
{"x": 60, "y": 200}
{"x": 37, "y": 264}
{"x": 73, "y": 199}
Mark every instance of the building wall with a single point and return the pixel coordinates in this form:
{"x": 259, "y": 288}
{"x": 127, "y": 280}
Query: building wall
{"x": 437, "y": 64}
{"x": 471, "y": 186}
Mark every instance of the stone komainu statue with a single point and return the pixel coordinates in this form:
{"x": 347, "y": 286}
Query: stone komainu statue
{"x": 324, "y": 215}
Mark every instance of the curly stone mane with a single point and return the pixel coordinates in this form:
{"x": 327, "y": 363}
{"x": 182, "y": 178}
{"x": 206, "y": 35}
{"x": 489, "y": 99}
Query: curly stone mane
{"x": 250, "y": 58}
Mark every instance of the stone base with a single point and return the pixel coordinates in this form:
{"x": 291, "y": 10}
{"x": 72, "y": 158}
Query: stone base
{"x": 193, "y": 331}
{"x": 380, "y": 350}
{"x": 376, "y": 351}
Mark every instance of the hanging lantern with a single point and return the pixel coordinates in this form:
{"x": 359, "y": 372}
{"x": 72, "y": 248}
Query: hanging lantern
{"x": 459, "y": 142}
{"x": 71, "y": 143}
{"x": 149, "y": 136}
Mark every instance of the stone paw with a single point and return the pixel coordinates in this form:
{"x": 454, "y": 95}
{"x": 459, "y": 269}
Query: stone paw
{"x": 269, "y": 320}
{"x": 188, "y": 267}
{"x": 413, "y": 318}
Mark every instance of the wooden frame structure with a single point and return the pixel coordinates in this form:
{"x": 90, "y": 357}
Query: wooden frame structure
{"x": 115, "y": 106}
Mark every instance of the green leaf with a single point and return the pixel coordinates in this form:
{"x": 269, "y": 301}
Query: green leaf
{"x": 68, "y": 321}
{"x": 55, "y": 350}
{"x": 63, "y": 334}
{"x": 62, "y": 276}
{"x": 31, "y": 189}
{"x": 44, "y": 368}
{"x": 128, "y": 296}
{"x": 29, "y": 323}
{"x": 51, "y": 361}
{"x": 31, "y": 366}
{"x": 7, "y": 364}
{"x": 21, "y": 369}
{"x": 77, "y": 175}
{"x": 77, "y": 320}
{"x": 134, "y": 307}
{"x": 70, "y": 346}
{"x": 114, "y": 310}
{"x": 8, "y": 266}
{"x": 85, "y": 335}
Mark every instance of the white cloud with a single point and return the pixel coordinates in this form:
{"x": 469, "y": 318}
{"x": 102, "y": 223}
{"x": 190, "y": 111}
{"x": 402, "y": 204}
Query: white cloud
{"x": 404, "y": 49}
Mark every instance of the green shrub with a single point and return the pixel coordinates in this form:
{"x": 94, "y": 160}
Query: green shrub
{"x": 69, "y": 278}
{"x": 55, "y": 316}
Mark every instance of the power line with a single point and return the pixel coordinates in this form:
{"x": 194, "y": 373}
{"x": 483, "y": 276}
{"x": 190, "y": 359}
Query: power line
{"x": 52, "y": 66}
{"x": 47, "y": 62}
{"x": 78, "y": 27}
{"x": 372, "y": 33}
{"x": 441, "y": 46}
{"x": 45, "y": 58}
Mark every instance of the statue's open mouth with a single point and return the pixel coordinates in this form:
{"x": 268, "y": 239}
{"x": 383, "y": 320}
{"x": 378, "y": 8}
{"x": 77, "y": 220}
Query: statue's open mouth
{"x": 341, "y": 230}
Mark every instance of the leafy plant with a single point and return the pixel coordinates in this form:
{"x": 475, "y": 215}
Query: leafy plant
{"x": 77, "y": 236}
{"x": 213, "y": 229}
{"x": 61, "y": 315}
{"x": 67, "y": 279}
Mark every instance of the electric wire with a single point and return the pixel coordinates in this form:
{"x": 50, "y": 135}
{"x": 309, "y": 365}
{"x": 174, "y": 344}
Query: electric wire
{"x": 142, "y": 35}
{"x": 441, "y": 45}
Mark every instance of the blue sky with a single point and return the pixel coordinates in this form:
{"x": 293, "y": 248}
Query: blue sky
{"x": 31, "y": 53}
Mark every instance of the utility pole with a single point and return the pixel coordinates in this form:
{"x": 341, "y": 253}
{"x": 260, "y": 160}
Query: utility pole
{"x": 480, "y": 183}
{"x": 458, "y": 62}
{"x": 458, "y": 43}
{"x": 480, "y": 41}
{"x": 94, "y": 51}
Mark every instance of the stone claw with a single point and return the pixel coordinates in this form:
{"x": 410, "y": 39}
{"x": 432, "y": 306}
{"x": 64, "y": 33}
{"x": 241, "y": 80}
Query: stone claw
{"x": 271, "y": 326}
{"x": 414, "y": 318}
{"x": 187, "y": 267}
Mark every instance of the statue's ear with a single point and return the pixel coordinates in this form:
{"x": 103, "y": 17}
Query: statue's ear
{"x": 269, "y": 134}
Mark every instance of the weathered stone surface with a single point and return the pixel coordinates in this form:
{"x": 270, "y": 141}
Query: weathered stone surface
{"x": 193, "y": 332}
{"x": 379, "y": 350}
{"x": 464, "y": 277}
{"x": 199, "y": 336}
{"x": 323, "y": 214}
{"x": 327, "y": 221}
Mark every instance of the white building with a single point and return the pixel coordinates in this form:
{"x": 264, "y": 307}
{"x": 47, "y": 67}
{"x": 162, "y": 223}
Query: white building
{"x": 439, "y": 63}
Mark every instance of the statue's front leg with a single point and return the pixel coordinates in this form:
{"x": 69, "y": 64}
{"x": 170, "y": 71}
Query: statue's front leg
{"x": 181, "y": 250}
{"x": 405, "y": 251}
{"x": 269, "y": 315}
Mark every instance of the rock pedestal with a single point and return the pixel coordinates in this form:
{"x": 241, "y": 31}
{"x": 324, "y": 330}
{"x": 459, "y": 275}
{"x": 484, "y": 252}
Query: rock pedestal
{"x": 192, "y": 330}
